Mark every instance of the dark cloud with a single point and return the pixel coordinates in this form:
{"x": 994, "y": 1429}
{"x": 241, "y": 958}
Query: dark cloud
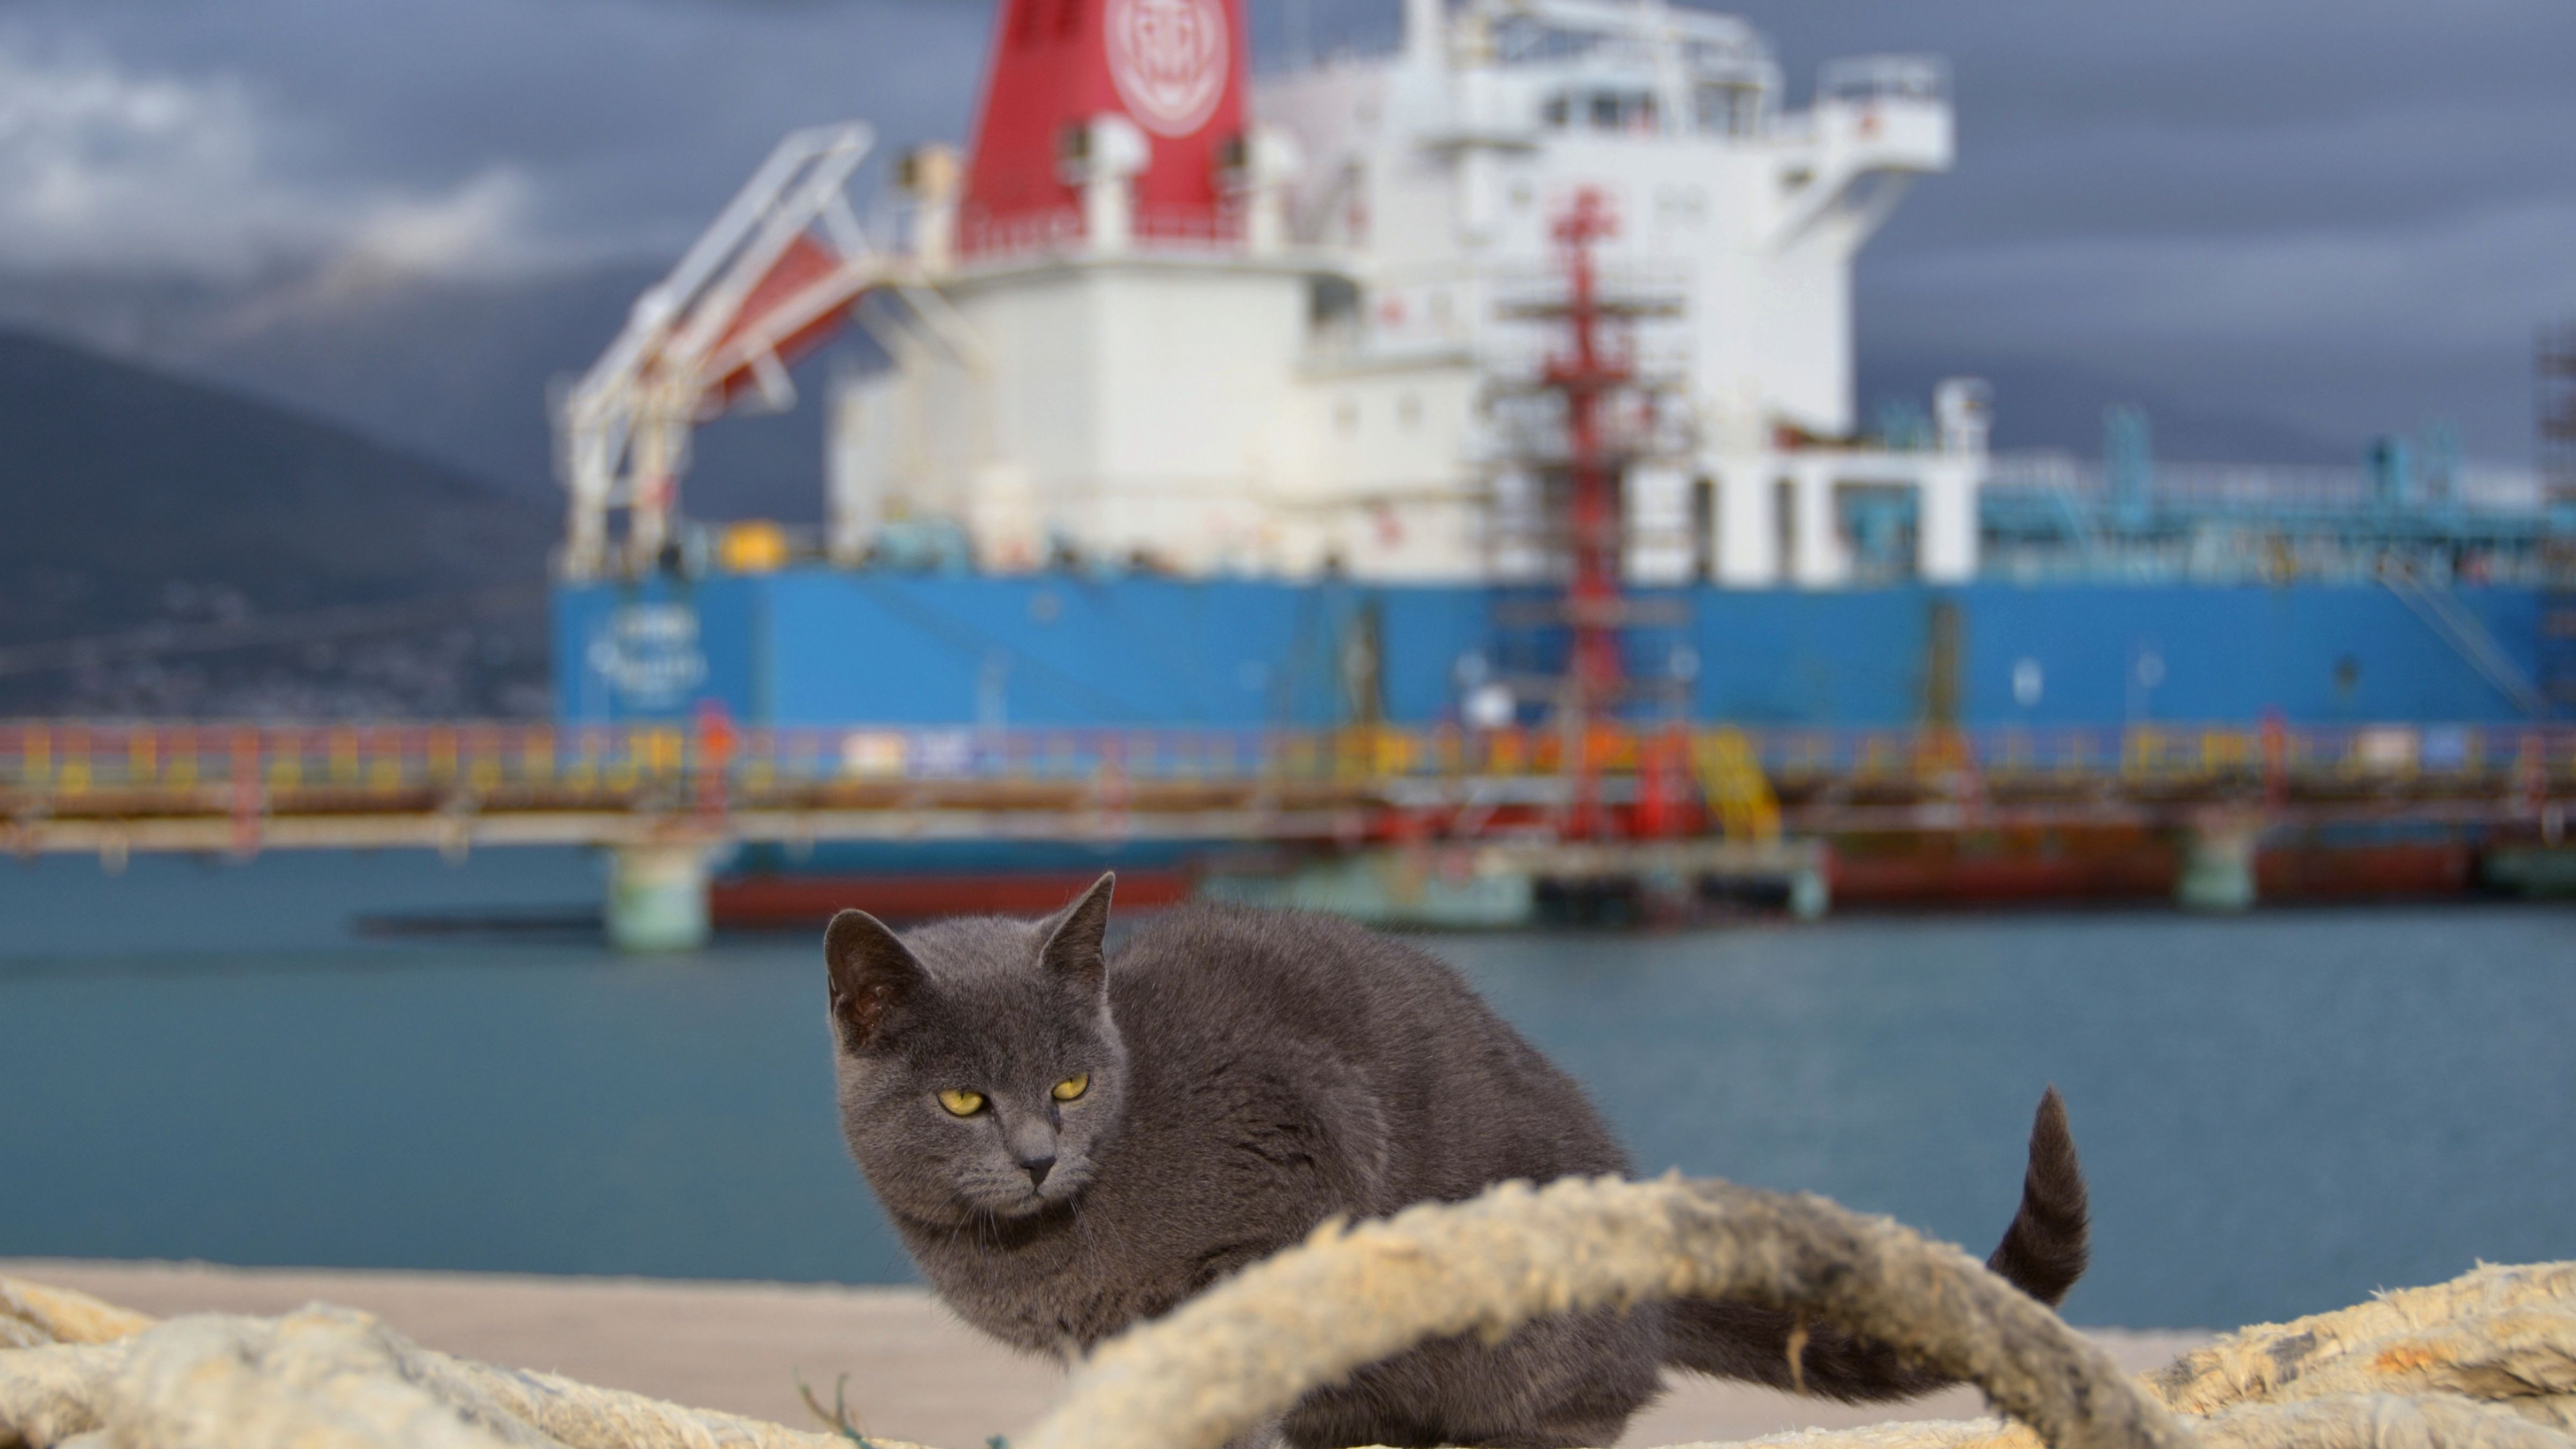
{"x": 2343, "y": 219}
{"x": 634, "y": 118}
{"x": 2347, "y": 218}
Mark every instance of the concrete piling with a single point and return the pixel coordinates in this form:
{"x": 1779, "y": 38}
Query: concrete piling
{"x": 2217, "y": 865}
{"x": 657, "y": 896}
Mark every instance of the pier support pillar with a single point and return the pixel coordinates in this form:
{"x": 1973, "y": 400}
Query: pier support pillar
{"x": 657, "y": 896}
{"x": 1811, "y": 893}
{"x": 2217, "y": 866}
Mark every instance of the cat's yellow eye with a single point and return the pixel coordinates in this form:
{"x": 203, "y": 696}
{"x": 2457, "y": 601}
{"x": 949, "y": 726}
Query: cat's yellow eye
{"x": 962, "y": 1104}
{"x": 1073, "y": 1086}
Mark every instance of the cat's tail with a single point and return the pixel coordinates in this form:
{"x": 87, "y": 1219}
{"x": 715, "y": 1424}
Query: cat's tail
{"x": 2043, "y": 1253}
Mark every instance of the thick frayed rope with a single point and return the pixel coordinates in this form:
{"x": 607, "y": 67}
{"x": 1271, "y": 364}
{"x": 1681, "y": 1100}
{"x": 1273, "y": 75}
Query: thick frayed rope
{"x": 1244, "y": 1351}
{"x": 2485, "y": 1362}
{"x": 32, "y": 1314}
{"x": 2346, "y": 1421}
{"x": 334, "y": 1378}
{"x": 2506, "y": 1335}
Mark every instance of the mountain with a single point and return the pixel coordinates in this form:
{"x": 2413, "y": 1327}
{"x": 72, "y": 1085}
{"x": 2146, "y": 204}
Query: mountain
{"x": 450, "y": 368}
{"x": 176, "y": 547}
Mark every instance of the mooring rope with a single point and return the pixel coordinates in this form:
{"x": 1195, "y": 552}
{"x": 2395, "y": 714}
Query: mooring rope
{"x": 335, "y": 1378}
{"x": 1242, "y": 1352}
{"x": 2487, "y": 1361}
{"x": 2506, "y": 1335}
{"x": 32, "y": 1314}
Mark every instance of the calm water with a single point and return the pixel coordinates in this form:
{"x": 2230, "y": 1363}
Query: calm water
{"x": 2279, "y": 1113}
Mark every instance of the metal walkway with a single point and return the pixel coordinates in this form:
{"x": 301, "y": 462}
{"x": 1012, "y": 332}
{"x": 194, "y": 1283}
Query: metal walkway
{"x": 114, "y": 788}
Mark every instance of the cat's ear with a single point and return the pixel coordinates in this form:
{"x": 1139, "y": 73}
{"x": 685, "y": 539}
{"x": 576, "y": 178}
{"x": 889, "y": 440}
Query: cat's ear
{"x": 1072, "y": 948}
{"x": 871, "y": 972}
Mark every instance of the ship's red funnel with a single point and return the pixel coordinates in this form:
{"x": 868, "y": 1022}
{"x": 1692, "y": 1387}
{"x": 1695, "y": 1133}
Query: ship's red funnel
{"x": 1173, "y": 67}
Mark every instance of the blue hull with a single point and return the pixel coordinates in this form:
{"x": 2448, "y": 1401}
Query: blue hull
{"x": 817, "y": 646}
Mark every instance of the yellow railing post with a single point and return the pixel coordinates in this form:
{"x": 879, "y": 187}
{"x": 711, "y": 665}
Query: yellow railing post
{"x": 1730, "y": 777}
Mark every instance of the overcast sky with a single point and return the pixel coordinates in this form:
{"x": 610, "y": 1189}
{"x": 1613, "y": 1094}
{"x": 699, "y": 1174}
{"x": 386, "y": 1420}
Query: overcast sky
{"x": 2345, "y": 217}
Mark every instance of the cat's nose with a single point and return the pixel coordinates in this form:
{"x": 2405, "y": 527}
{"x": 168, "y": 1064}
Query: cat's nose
{"x": 1037, "y": 1168}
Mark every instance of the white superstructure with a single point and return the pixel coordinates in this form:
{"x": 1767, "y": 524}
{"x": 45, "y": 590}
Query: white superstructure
{"x": 1307, "y": 373}
{"x": 1436, "y": 172}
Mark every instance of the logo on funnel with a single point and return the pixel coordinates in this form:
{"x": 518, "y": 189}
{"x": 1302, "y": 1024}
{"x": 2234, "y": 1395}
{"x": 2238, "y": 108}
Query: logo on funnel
{"x": 1168, "y": 58}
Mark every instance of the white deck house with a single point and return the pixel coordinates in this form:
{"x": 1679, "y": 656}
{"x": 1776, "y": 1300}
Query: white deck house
{"x": 1300, "y": 377}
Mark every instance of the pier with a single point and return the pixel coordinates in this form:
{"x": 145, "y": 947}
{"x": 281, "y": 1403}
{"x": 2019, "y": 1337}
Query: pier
{"x": 1470, "y": 823}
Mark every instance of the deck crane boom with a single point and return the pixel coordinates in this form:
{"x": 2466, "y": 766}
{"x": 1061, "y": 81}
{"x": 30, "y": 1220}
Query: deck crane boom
{"x": 773, "y": 278}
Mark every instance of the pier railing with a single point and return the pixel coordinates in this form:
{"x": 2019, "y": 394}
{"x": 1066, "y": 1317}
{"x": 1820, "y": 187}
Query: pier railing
{"x": 115, "y": 785}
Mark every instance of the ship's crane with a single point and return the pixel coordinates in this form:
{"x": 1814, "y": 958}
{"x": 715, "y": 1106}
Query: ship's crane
{"x": 773, "y": 278}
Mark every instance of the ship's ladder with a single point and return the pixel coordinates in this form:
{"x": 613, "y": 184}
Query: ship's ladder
{"x": 1731, "y": 779}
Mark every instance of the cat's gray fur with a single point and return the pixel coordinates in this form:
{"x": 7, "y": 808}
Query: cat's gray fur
{"x": 1250, "y": 1074}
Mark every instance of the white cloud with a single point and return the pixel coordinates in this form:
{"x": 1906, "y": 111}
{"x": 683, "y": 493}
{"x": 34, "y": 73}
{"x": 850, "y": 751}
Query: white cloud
{"x": 483, "y": 220}
{"x": 102, "y": 167}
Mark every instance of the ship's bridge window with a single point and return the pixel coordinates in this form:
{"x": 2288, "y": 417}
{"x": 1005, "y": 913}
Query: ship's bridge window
{"x": 1332, "y": 301}
{"x": 1726, "y": 110}
{"x": 1621, "y": 110}
{"x": 1601, "y": 110}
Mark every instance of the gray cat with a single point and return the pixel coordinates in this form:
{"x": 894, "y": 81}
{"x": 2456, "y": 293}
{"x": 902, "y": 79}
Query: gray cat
{"x": 1069, "y": 1144}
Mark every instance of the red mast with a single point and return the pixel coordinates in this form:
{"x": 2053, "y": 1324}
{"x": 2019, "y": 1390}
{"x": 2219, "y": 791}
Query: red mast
{"x": 1586, "y": 375}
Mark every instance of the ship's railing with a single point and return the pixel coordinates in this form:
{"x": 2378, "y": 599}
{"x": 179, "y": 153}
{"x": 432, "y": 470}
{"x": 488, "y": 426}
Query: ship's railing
{"x": 1862, "y": 80}
{"x": 1218, "y": 228}
{"x": 1658, "y": 362}
{"x": 1060, "y": 229}
{"x": 1527, "y": 435}
{"x": 1646, "y": 287}
{"x": 2174, "y": 753}
{"x": 151, "y": 766}
{"x": 1036, "y": 232}
{"x": 1599, "y": 36}
{"x": 2280, "y": 487}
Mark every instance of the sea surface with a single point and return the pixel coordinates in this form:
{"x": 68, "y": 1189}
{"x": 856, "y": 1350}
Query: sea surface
{"x": 2279, "y": 1113}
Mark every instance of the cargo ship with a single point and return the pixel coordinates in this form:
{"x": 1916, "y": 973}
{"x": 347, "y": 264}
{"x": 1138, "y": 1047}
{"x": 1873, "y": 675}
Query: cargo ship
{"x": 1229, "y": 402}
